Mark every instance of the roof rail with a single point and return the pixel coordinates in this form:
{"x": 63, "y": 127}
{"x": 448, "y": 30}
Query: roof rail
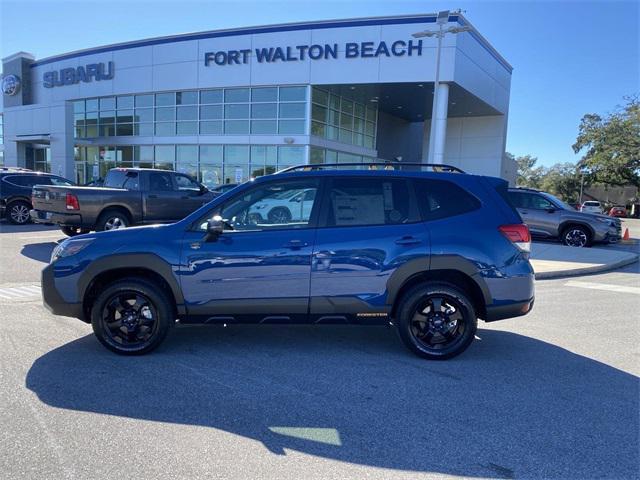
{"x": 435, "y": 167}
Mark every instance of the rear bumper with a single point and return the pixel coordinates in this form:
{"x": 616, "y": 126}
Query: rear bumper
{"x": 501, "y": 312}
{"x": 70, "y": 219}
{"x": 52, "y": 299}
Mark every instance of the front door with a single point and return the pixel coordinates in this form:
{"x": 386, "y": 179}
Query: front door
{"x": 540, "y": 215}
{"x": 371, "y": 227}
{"x": 162, "y": 198}
{"x": 258, "y": 269}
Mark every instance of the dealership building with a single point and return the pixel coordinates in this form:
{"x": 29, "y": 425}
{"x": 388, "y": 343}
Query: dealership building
{"x": 229, "y": 105}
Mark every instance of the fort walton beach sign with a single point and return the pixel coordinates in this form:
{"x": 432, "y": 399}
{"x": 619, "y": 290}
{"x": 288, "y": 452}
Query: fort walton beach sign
{"x": 398, "y": 48}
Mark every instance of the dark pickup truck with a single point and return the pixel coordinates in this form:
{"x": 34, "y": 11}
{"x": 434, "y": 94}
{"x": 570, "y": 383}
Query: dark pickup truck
{"x": 129, "y": 196}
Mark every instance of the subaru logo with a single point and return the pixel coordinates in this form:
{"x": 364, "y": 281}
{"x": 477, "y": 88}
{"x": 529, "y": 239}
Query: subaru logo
{"x": 10, "y": 84}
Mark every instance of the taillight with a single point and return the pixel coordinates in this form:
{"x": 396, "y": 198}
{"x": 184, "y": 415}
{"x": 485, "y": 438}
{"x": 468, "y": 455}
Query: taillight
{"x": 72, "y": 202}
{"x": 518, "y": 234}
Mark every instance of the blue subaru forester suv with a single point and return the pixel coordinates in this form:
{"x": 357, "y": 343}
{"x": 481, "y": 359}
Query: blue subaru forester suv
{"x": 429, "y": 250}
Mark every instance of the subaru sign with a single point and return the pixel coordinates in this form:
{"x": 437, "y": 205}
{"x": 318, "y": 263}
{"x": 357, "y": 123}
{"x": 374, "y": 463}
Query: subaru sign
{"x": 71, "y": 76}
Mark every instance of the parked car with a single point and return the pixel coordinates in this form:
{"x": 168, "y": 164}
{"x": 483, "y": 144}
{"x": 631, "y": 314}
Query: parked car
{"x": 620, "y": 212}
{"x": 15, "y": 191}
{"x": 130, "y": 196}
{"x": 220, "y": 189}
{"x": 549, "y": 217}
{"x": 429, "y": 252}
{"x": 591, "y": 206}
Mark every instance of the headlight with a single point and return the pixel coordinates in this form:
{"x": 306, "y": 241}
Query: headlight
{"x": 70, "y": 247}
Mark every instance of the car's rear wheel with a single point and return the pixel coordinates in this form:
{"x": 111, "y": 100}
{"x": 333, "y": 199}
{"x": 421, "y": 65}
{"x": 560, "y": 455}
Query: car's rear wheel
{"x": 112, "y": 220}
{"x": 436, "y": 320}
{"x": 132, "y": 316}
{"x": 576, "y": 236}
{"x": 18, "y": 212}
{"x": 73, "y": 231}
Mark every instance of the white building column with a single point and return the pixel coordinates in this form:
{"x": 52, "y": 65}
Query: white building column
{"x": 439, "y": 124}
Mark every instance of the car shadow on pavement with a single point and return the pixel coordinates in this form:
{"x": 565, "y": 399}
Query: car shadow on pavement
{"x": 38, "y": 251}
{"x": 511, "y": 406}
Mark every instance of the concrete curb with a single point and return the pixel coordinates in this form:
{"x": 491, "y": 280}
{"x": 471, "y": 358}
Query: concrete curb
{"x": 587, "y": 270}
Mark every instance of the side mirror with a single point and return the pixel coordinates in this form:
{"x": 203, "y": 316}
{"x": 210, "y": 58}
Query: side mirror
{"x": 203, "y": 189}
{"x": 215, "y": 227}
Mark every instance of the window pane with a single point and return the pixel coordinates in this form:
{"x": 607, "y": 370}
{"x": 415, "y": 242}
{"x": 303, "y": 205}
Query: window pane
{"x": 107, "y": 131}
{"x": 293, "y": 127}
{"x": 292, "y": 110}
{"x": 164, "y": 99}
{"x": 292, "y": 94}
{"x": 264, "y": 126}
{"x": 346, "y": 121}
{"x": 144, "y": 100}
{"x": 91, "y": 105}
{"x": 264, "y": 110}
{"x": 143, "y": 129}
{"x": 187, "y": 162}
{"x": 368, "y": 141}
{"x": 316, "y": 155}
{"x": 78, "y": 107}
{"x": 187, "y": 98}
{"x": 358, "y": 110}
{"x": 369, "y": 201}
{"x": 347, "y": 106}
{"x": 211, "y": 154}
{"x": 107, "y": 116}
{"x": 288, "y": 156}
{"x": 320, "y": 96}
{"x": 187, "y": 128}
{"x": 317, "y": 129}
{"x": 165, "y": 154}
{"x": 210, "y": 112}
{"x": 125, "y": 129}
{"x": 440, "y": 199}
{"x": 236, "y": 127}
{"x": 125, "y": 101}
{"x": 345, "y": 136}
{"x": 358, "y": 125}
{"x": 165, "y": 128}
{"x": 236, "y": 111}
{"x": 370, "y": 128}
{"x": 332, "y": 133}
{"x": 124, "y": 116}
{"x": 236, "y": 95}
{"x": 165, "y": 114}
{"x": 144, "y": 114}
{"x": 187, "y": 113}
{"x": 371, "y": 114}
{"x": 211, "y": 128}
{"x": 211, "y": 96}
{"x": 143, "y": 154}
{"x": 334, "y": 101}
{"x": 236, "y": 154}
{"x": 334, "y": 117}
{"x": 108, "y": 103}
{"x": 318, "y": 113}
{"x": 269, "y": 94}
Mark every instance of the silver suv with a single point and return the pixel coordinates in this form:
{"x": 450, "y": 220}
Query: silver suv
{"x": 549, "y": 217}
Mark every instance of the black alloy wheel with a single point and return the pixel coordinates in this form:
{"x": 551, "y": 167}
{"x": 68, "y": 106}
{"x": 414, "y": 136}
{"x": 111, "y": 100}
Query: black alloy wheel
{"x": 131, "y": 317}
{"x": 576, "y": 236}
{"x": 436, "y": 321}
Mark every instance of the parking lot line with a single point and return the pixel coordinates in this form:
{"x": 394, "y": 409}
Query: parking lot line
{"x": 13, "y": 293}
{"x": 603, "y": 286}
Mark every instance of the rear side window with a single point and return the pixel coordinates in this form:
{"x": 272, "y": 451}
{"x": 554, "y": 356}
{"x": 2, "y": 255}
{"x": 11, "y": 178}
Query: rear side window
{"x": 27, "y": 180}
{"x": 369, "y": 201}
{"x": 122, "y": 179}
{"x": 441, "y": 199}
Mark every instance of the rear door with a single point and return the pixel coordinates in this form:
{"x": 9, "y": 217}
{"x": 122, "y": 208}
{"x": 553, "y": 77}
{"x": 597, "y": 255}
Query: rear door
{"x": 370, "y": 227}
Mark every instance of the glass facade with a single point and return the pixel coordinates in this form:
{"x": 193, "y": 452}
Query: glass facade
{"x": 211, "y": 164}
{"x": 1, "y": 141}
{"x": 223, "y": 111}
{"x": 326, "y": 155}
{"x": 342, "y": 120}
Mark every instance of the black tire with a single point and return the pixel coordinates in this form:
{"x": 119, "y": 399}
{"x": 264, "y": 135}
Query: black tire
{"x": 18, "y": 212}
{"x": 73, "y": 231}
{"x": 576, "y": 236}
{"x": 433, "y": 333}
{"x": 279, "y": 215}
{"x": 112, "y": 219}
{"x": 112, "y": 312}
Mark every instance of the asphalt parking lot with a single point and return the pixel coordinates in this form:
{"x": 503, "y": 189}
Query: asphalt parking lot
{"x": 554, "y": 394}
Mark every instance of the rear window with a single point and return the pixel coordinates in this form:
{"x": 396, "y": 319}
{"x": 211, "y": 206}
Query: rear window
{"x": 592, "y": 204}
{"x": 122, "y": 179}
{"x": 369, "y": 201}
{"x": 441, "y": 199}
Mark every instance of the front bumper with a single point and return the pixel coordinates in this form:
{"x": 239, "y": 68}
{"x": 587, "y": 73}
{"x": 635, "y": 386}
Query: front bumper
{"x": 64, "y": 219}
{"x": 52, "y": 299}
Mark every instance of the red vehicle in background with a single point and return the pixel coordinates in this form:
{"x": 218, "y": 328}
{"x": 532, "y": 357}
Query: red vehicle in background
{"x": 618, "y": 212}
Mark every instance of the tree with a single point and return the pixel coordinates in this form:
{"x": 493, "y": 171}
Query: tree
{"x": 611, "y": 145}
{"x": 563, "y": 180}
{"x": 528, "y": 174}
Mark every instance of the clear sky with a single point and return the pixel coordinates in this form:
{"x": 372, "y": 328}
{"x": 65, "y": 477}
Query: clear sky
{"x": 569, "y": 57}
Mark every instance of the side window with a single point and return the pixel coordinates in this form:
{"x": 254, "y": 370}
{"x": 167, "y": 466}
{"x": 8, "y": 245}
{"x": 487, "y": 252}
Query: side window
{"x": 60, "y": 181}
{"x": 517, "y": 199}
{"x": 160, "y": 182}
{"x": 122, "y": 179}
{"x": 441, "y": 199}
{"x": 186, "y": 183}
{"x": 538, "y": 202}
{"x": 369, "y": 201}
{"x": 27, "y": 180}
{"x": 273, "y": 206}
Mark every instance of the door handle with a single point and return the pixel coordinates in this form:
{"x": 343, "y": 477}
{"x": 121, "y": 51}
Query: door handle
{"x": 408, "y": 240}
{"x": 295, "y": 244}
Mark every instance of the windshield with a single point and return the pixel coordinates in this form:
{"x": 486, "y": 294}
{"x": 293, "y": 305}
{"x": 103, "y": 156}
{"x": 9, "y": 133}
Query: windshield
{"x": 558, "y": 202}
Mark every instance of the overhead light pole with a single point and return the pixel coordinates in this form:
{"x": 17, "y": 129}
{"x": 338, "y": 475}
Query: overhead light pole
{"x": 441, "y": 20}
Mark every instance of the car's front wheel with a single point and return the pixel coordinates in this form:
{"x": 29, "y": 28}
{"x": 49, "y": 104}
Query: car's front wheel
{"x": 132, "y": 316}
{"x": 436, "y": 321}
{"x": 576, "y": 236}
{"x": 18, "y": 212}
